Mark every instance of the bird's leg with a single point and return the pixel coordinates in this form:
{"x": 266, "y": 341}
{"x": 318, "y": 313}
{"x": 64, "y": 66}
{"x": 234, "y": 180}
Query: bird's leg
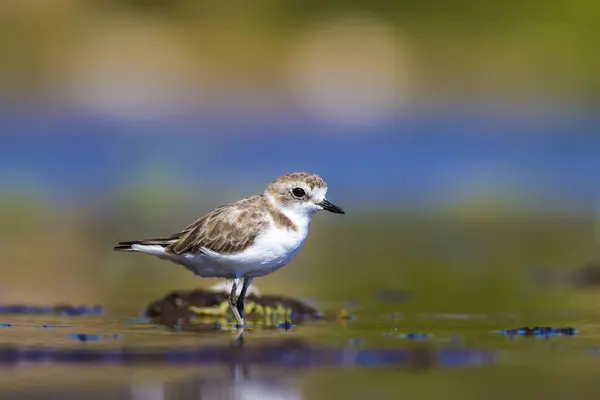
{"x": 232, "y": 304}
{"x": 242, "y": 296}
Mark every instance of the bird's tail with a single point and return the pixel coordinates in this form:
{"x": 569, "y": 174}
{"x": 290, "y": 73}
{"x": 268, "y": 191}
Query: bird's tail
{"x": 128, "y": 246}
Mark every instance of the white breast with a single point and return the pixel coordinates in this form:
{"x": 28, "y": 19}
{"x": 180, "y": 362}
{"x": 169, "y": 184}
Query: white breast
{"x": 271, "y": 250}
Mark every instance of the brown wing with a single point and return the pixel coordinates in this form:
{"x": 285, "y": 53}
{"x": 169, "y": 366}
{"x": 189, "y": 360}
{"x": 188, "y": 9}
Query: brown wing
{"x": 228, "y": 229}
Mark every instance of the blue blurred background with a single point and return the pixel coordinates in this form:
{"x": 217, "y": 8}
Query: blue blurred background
{"x": 462, "y": 141}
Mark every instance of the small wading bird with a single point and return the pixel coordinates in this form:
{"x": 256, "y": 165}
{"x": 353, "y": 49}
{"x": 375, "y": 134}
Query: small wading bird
{"x": 251, "y": 237}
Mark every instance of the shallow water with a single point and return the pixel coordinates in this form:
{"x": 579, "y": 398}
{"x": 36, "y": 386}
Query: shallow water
{"x": 121, "y": 356}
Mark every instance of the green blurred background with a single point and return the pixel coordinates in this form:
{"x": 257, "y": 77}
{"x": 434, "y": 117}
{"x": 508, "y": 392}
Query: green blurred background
{"x": 460, "y": 137}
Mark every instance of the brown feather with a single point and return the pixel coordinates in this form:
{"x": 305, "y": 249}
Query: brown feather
{"x": 228, "y": 229}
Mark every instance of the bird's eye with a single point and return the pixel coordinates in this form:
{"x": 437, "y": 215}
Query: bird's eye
{"x": 298, "y": 192}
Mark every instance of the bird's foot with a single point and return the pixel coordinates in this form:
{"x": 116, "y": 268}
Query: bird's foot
{"x": 240, "y": 324}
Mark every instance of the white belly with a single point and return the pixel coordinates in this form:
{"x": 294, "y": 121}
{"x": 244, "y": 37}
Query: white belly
{"x": 270, "y": 251}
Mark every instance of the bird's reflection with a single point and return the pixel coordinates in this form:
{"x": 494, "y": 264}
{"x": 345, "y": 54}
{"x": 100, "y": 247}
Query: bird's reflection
{"x": 241, "y": 379}
{"x": 241, "y": 382}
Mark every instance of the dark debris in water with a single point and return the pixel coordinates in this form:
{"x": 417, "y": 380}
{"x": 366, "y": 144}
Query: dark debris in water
{"x": 45, "y": 326}
{"x": 84, "y": 337}
{"x": 415, "y": 336}
{"x": 287, "y": 325}
{"x": 91, "y": 337}
{"x": 71, "y": 310}
{"x": 540, "y": 331}
{"x": 50, "y": 326}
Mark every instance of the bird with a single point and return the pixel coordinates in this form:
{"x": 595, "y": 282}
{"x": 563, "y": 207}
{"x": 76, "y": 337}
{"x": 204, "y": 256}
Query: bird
{"x": 249, "y": 238}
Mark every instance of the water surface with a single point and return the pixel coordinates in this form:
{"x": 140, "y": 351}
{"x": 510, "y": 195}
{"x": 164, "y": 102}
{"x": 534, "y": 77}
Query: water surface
{"x": 122, "y": 356}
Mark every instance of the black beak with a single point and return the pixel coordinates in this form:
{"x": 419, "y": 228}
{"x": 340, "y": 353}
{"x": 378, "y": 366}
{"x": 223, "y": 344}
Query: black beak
{"x": 331, "y": 207}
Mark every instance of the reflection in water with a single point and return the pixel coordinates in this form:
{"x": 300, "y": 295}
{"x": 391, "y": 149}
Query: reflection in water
{"x": 243, "y": 380}
{"x": 151, "y": 391}
{"x": 60, "y": 309}
{"x": 260, "y": 370}
{"x": 285, "y": 353}
{"x": 242, "y": 384}
{"x": 545, "y": 331}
